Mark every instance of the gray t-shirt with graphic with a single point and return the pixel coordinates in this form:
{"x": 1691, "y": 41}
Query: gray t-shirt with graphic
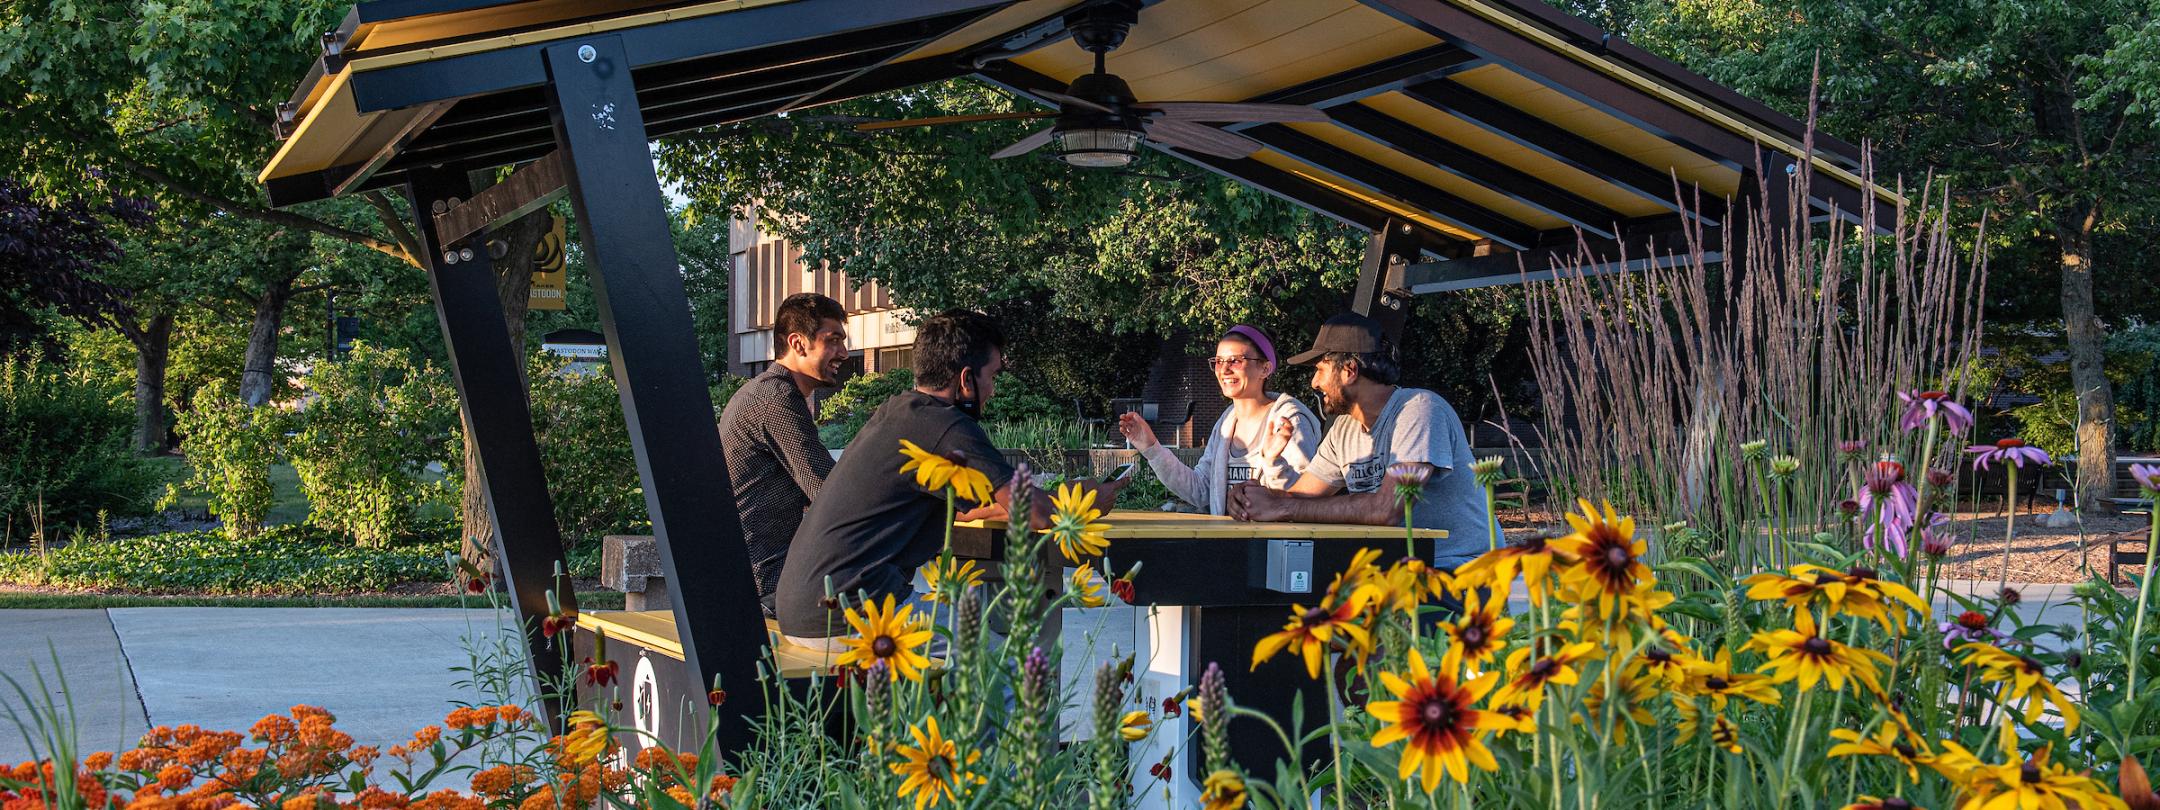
{"x": 1415, "y": 426}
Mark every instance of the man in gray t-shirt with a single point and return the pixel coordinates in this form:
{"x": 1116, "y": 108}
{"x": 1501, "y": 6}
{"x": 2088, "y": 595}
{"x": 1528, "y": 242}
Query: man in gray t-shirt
{"x": 1377, "y": 424}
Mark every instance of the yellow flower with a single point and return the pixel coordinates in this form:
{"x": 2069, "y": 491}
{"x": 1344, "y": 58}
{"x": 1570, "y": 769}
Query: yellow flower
{"x": 586, "y": 739}
{"x": 1445, "y": 736}
{"x": 1858, "y": 592}
{"x": 1192, "y": 709}
{"x": 1885, "y": 743}
{"x": 1223, "y": 790}
{"x": 1714, "y": 678}
{"x": 934, "y": 472}
{"x": 1528, "y": 678}
{"x": 1809, "y": 658}
{"x": 1088, "y": 587}
{"x": 1477, "y": 635}
{"x": 1724, "y": 734}
{"x": 1135, "y": 725}
{"x": 948, "y": 582}
{"x": 2035, "y": 783}
{"x": 1634, "y": 697}
{"x": 1867, "y": 802}
{"x": 2021, "y": 677}
{"x": 1072, "y": 523}
{"x": 889, "y": 636}
{"x": 1402, "y": 587}
{"x": 934, "y": 769}
{"x": 1611, "y": 566}
{"x": 1532, "y": 557}
{"x": 1311, "y": 630}
{"x": 1688, "y": 719}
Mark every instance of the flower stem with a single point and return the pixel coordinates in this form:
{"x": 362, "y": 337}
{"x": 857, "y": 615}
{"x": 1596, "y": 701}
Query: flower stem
{"x": 1334, "y": 735}
{"x": 1793, "y": 738}
{"x": 2137, "y": 629}
{"x": 1920, "y": 501}
{"x": 1492, "y": 522}
{"x": 2009, "y": 523}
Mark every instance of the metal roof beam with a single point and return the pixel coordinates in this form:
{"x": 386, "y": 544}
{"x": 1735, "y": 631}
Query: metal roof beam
{"x": 1366, "y": 81}
{"x": 1387, "y": 182}
{"x": 1455, "y": 159}
{"x": 1566, "y": 254}
{"x": 1582, "y": 154}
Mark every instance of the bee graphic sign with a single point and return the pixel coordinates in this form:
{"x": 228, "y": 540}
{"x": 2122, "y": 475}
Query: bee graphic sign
{"x": 549, "y": 277}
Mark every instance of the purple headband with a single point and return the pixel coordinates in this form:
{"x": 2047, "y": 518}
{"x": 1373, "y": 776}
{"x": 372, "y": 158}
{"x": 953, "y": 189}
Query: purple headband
{"x": 1258, "y": 338}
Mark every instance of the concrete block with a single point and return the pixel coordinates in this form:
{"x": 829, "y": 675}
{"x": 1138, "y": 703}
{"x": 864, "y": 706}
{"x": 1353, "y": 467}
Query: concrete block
{"x": 631, "y": 563}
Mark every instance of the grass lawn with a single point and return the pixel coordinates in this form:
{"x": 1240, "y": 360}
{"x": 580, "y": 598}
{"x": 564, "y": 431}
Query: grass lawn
{"x": 287, "y": 505}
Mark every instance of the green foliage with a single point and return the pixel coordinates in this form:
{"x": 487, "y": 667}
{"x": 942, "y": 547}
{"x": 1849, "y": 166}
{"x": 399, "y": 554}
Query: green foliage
{"x": 230, "y": 447}
{"x": 375, "y": 422}
{"x": 2028, "y": 366}
{"x": 64, "y": 448}
{"x": 1044, "y": 433}
{"x": 585, "y": 453}
{"x": 845, "y": 411}
{"x": 2134, "y": 354}
{"x": 291, "y": 559}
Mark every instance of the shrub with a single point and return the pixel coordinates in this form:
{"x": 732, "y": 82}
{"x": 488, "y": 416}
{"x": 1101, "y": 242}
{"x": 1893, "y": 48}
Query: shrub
{"x": 64, "y": 447}
{"x": 293, "y": 559}
{"x": 585, "y": 453}
{"x": 847, "y": 409}
{"x": 230, "y": 446}
{"x": 375, "y": 423}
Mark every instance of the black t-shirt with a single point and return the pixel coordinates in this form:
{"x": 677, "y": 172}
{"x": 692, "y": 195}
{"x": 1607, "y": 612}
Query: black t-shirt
{"x": 870, "y": 526}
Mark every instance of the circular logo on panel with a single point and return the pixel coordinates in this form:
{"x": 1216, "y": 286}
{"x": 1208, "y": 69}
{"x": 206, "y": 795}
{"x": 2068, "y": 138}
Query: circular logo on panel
{"x": 645, "y": 702}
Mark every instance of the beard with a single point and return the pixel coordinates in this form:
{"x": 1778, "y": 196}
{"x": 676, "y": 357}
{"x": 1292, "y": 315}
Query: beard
{"x": 1334, "y": 403}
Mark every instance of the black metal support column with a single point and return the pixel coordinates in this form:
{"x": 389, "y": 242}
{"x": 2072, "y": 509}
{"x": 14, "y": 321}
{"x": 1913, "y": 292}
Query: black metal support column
{"x": 637, "y": 281}
{"x": 491, "y": 388}
{"x": 1380, "y": 292}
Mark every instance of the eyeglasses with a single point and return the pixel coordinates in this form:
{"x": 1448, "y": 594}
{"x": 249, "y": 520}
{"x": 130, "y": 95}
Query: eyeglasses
{"x": 1233, "y": 363}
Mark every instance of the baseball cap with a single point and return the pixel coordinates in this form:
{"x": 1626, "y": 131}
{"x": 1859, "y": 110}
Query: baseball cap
{"x": 1347, "y": 332}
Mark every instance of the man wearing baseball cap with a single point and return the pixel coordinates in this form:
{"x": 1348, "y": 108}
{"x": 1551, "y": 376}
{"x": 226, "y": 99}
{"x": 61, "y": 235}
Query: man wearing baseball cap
{"x": 1377, "y": 424}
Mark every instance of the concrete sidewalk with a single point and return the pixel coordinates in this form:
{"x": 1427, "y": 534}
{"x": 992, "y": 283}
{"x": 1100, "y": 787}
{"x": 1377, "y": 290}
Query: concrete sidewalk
{"x": 107, "y": 713}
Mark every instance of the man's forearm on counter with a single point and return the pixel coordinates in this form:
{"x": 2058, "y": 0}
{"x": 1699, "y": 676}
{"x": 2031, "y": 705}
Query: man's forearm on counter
{"x": 1369, "y": 508}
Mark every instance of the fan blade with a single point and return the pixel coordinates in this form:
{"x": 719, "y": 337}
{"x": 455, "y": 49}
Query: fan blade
{"x": 1024, "y": 145}
{"x": 1235, "y": 111}
{"x": 1197, "y": 138}
{"x": 1076, "y": 101}
{"x": 953, "y": 119}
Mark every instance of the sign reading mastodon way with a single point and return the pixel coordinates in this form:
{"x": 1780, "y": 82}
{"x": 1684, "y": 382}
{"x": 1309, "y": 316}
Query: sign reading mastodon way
{"x": 549, "y": 278}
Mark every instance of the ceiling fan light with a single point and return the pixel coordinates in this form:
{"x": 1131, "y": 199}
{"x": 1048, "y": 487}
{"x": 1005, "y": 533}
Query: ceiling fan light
{"x": 1097, "y": 148}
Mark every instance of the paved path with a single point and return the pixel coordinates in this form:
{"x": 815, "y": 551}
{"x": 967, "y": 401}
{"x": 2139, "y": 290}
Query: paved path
{"x": 107, "y": 715}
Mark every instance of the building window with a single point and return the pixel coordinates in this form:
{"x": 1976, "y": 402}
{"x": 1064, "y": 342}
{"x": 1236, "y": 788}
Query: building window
{"x": 901, "y": 357}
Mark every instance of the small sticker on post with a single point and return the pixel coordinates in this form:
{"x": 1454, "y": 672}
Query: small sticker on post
{"x": 604, "y": 115}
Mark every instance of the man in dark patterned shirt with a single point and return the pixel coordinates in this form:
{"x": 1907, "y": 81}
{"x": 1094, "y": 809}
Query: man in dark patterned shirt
{"x": 774, "y": 459}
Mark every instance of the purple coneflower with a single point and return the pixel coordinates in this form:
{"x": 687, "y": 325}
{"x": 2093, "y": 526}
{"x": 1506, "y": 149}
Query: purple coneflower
{"x": 1920, "y": 406}
{"x": 2147, "y": 476}
{"x": 1972, "y": 625}
{"x": 1852, "y": 449}
{"x": 2013, "y": 450}
{"x": 1894, "y": 500}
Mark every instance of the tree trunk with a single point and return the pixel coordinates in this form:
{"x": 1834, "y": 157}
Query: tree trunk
{"x": 258, "y": 374}
{"x": 2095, "y": 397}
{"x": 153, "y": 347}
{"x": 513, "y": 284}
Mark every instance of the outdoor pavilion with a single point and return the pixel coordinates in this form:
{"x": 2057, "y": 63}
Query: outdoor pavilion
{"x": 1475, "y": 139}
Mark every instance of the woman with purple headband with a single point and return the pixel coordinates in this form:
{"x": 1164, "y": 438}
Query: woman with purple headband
{"x": 1263, "y": 436}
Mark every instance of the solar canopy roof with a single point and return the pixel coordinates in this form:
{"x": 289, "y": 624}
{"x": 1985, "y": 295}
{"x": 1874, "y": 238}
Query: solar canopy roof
{"x": 1497, "y": 125}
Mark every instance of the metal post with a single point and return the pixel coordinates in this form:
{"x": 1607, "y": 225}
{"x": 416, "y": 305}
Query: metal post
{"x": 491, "y": 389}
{"x": 637, "y": 282}
{"x": 1380, "y": 294}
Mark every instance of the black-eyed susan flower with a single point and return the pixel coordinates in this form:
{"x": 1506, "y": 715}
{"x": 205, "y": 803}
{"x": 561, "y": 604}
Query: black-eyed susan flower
{"x": 1222, "y": 790}
{"x": 1665, "y": 664}
{"x": 1087, "y": 587}
{"x": 1310, "y": 631}
{"x": 1713, "y": 678}
{"x": 949, "y": 578}
{"x": 1074, "y": 523}
{"x": 1859, "y": 592}
{"x": 1809, "y": 659}
{"x": 1477, "y": 635}
{"x": 1687, "y": 719}
{"x": 1528, "y": 674}
{"x": 1534, "y": 558}
{"x": 2035, "y": 783}
{"x": 2024, "y": 681}
{"x": 934, "y": 472}
{"x": 1611, "y": 558}
{"x": 1432, "y": 714}
{"x": 1724, "y": 734}
{"x": 1887, "y": 741}
{"x": 888, "y": 634}
{"x": 1635, "y": 696}
{"x": 936, "y": 772}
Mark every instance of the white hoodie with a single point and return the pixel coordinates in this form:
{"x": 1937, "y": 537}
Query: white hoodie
{"x": 1206, "y": 483}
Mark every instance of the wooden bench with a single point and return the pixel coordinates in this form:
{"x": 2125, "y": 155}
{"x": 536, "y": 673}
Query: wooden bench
{"x": 654, "y": 630}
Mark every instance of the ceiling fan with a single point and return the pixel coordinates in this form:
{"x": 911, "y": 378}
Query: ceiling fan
{"x": 1099, "y": 122}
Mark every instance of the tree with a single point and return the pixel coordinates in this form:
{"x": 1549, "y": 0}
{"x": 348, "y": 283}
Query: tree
{"x": 2040, "y": 114}
{"x": 52, "y": 259}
